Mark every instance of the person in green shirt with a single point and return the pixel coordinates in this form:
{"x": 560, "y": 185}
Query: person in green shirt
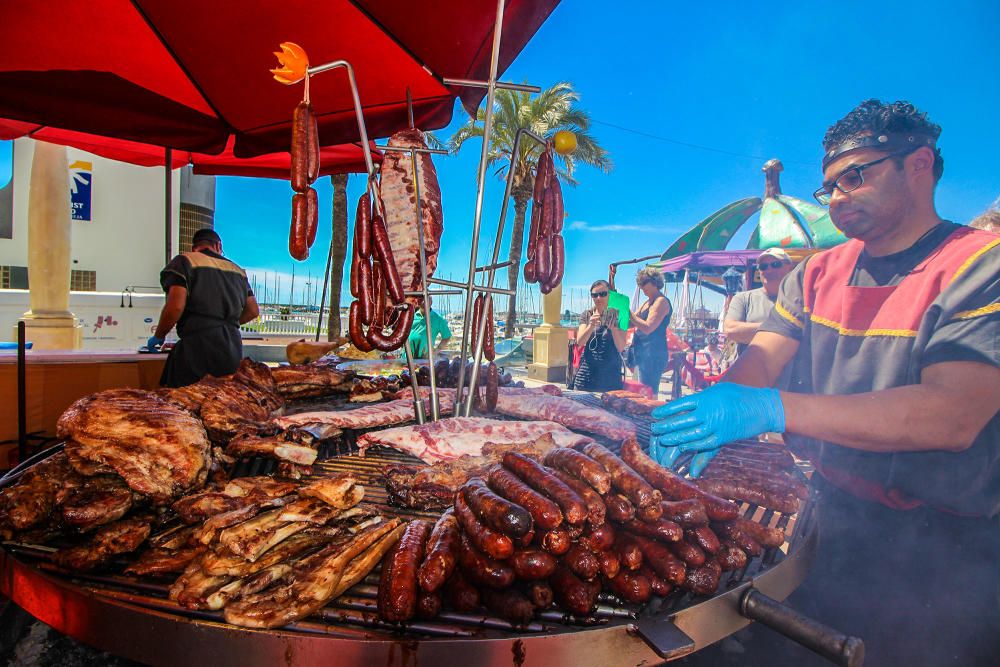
{"x": 418, "y": 332}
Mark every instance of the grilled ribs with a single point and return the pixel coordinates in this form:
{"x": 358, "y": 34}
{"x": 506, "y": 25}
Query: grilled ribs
{"x": 309, "y": 381}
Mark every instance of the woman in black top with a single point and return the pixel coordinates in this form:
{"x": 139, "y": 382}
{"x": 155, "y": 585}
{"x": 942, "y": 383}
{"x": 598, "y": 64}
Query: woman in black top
{"x": 602, "y": 341}
{"x": 651, "y": 320}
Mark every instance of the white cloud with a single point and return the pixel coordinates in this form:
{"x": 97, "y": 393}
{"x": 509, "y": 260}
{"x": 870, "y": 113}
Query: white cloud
{"x": 583, "y": 226}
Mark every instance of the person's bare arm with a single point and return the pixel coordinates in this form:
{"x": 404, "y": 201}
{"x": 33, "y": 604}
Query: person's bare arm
{"x": 946, "y": 411}
{"x": 659, "y": 311}
{"x": 250, "y": 311}
{"x": 740, "y": 332}
{"x": 618, "y": 335}
{"x": 761, "y": 363}
{"x": 172, "y": 310}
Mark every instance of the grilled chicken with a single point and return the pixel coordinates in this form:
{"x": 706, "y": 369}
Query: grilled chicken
{"x": 160, "y": 450}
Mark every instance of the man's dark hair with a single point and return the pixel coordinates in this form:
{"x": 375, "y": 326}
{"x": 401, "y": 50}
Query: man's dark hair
{"x": 205, "y": 236}
{"x": 873, "y": 117}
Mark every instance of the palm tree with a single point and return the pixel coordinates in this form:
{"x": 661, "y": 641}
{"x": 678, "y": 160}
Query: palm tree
{"x": 338, "y": 252}
{"x": 552, "y": 110}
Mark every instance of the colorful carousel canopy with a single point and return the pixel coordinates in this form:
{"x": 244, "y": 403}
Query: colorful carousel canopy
{"x": 785, "y": 221}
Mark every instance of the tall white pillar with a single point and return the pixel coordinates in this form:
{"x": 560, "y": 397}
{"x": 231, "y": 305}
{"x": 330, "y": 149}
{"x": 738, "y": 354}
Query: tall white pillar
{"x": 49, "y": 323}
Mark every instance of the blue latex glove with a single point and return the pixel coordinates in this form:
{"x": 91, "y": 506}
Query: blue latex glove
{"x": 704, "y": 422}
{"x": 154, "y": 343}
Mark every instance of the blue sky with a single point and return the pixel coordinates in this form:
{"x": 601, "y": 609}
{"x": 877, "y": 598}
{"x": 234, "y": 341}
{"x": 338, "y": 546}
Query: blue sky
{"x": 744, "y": 81}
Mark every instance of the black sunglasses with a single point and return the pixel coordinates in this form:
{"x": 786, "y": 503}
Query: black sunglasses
{"x": 850, "y": 180}
{"x": 597, "y": 295}
{"x": 771, "y": 265}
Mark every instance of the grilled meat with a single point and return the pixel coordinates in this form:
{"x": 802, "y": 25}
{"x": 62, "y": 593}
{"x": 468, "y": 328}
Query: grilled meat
{"x": 99, "y": 500}
{"x": 265, "y": 487}
{"x": 32, "y": 499}
{"x": 160, "y": 450}
{"x": 218, "y": 564}
{"x": 160, "y": 561}
{"x": 112, "y": 540}
{"x": 308, "y": 381}
{"x": 255, "y": 375}
{"x": 234, "y": 407}
{"x": 192, "y": 396}
{"x": 275, "y": 447}
{"x": 197, "y": 507}
{"x": 340, "y": 491}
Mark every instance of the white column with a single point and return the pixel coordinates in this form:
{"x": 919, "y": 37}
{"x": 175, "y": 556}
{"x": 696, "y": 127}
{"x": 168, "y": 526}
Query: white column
{"x": 50, "y": 324}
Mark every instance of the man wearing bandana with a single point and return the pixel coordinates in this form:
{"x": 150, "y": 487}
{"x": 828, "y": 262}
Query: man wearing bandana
{"x": 892, "y": 339}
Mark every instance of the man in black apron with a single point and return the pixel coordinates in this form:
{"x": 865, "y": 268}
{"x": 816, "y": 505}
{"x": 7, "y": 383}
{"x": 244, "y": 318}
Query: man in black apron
{"x": 208, "y": 298}
{"x": 892, "y": 338}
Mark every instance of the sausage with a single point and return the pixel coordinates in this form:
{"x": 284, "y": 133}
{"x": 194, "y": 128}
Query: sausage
{"x": 545, "y": 513}
{"x": 662, "y": 530}
{"x": 477, "y": 318}
{"x": 355, "y": 273}
{"x": 556, "y": 201}
{"x": 675, "y": 487}
{"x": 599, "y": 538}
{"x": 533, "y": 231}
{"x": 543, "y": 259}
{"x": 383, "y": 250}
{"x": 628, "y": 552}
{"x": 596, "y": 511}
{"x": 363, "y": 228}
{"x": 355, "y": 328}
{"x": 300, "y": 147}
{"x": 442, "y": 553}
{"x": 556, "y": 541}
{"x": 495, "y": 511}
{"x": 365, "y": 293}
{"x": 428, "y": 605}
{"x": 691, "y": 554}
{"x": 461, "y": 595}
{"x": 542, "y": 175}
{"x": 377, "y": 296}
{"x": 631, "y": 587}
{"x": 532, "y": 563}
{"x": 703, "y": 537}
{"x": 650, "y": 513}
{"x": 540, "y": 594}
{"x": 575, "y": 596}
{"x": 493, "y": 543}
{"x": 525, "y": 539}
{"x": 312, "y": 148}
{"x": 558, "y": 253}
{"x": 312, "y": 216}
{"x": 541, "y": 479}
{"x": 730, "y": 532}
{"x": 623, "y": 478}
{"x": 582, "y": 562}
{"x": 661, "y": 559}
{"x": 397, "y": 599}
{"x": 731, "y": 557}
{"x": 609, "y": 563}
{"x": 737, "y": 490}
{"x": 703, "y": 580}
{"x": 510, "y": 605}
{"x": 660, "y": 586}
{"x": 530, "y": 273}
{"x": 482, "y": 570}
{"x": 688, "y": 513}
{"x": 489, "y": 344}
{"x": 492, "y": 387}
{"x": 297, "y": 247}
{"x": 399, "y": 332}
{"x": 581, "y": 466}
{"x": 619, "y": 507}
{"x": 767, "y": 536}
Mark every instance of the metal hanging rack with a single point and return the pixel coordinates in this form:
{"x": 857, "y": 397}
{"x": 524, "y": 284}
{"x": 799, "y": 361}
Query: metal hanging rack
{"x": 469, "y": 287}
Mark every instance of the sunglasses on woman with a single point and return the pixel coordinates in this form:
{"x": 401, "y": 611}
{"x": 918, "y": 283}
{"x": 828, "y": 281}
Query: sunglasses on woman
{"x": 771, "y": 265}
{"x": 598, "y": 295}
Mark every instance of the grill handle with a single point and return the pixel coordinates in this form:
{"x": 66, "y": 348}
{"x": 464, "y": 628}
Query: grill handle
{"x": 824, "y": 640}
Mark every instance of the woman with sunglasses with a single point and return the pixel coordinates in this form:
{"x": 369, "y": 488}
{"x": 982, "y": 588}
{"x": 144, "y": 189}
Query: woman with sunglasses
{"x": 649, "y": 345}
{"x": 602, "y": 342}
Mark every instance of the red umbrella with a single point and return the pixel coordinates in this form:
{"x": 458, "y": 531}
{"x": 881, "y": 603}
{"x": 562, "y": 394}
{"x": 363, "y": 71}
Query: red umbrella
{"x": 341, "y": 159}
{"x": 189, "y": 74}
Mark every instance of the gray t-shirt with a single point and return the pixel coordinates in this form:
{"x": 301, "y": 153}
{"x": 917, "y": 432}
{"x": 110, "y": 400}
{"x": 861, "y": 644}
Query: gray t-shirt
{"x": 752, "y": 306}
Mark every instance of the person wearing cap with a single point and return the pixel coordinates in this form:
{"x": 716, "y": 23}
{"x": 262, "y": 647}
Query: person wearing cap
{"x": 892, "y": 337}
{"x": 747, "y": 310}
{"x": 208, "y": 298}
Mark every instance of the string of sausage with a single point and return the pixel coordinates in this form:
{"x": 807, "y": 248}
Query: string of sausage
{"x": 305, "y": 170}
{"x": 546, "y": 252}
{"x": 482, "y": 309}
{"x": 376, "y": 286}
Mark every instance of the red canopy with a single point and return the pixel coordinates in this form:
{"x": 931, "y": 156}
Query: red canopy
{"x": 188, "y": 74}
{"x": 342, "y": 159}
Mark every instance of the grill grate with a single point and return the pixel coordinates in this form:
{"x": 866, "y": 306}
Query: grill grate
{"x": 354, "y": 614}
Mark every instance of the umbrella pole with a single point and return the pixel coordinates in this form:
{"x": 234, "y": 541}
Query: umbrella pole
{"x": 326, "y": 281}
{"x": 168, "y": 204}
